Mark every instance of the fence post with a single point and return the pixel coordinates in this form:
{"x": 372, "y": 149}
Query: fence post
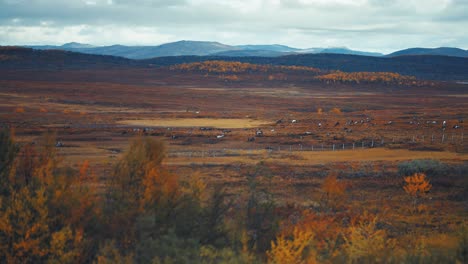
{"x": 372, "y": 142}
{"x": 353, "y": 145}
{"x": 333, "y": 147}
{"x": 312, "y": 147}
{"x": 443, "y": 137}
{"x": 343, "y": 146}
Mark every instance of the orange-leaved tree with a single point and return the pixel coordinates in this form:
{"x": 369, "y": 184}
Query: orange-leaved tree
{"x": 35, "y": 199}
{"x": 416, "y": 186}
{"x": 365, "y": 242}
{"x": 333, "y": 189}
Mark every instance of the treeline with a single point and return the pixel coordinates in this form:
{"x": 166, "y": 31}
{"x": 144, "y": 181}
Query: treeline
{"x": 145, "y": 214}
{"x": 369, "y": 77}
{"x": 424, "y": 67}
{"x": 232, "y": 70}
{"x": 218, "y": 66}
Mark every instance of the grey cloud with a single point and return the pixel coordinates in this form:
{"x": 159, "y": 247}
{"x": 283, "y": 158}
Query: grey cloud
{"x": 366, "y": 24}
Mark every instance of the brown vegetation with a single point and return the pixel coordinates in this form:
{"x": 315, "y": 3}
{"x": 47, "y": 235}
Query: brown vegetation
{"x": 95, "y": 194}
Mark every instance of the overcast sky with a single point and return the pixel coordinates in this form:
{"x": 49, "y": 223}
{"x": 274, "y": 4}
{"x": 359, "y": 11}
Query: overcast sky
{"x": 371, "y": 25}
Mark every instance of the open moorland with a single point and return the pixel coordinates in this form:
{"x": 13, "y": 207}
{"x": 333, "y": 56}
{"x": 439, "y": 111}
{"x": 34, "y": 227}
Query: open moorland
{"x": 325, "y": 147}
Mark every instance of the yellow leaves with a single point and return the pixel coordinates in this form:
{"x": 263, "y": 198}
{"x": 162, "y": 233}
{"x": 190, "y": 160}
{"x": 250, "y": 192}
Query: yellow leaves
{"x": 24, "y": 226}
{"x": 158, "y": 185}
{"x": 64, "y": 246}
{"x": 370, "y": 77}
{"x": 319, "y": 111}
{"x": 196, "y": 187}
{"x": 365, "y": 241}
{"x": 237, "y": 67}
{"x": 417, "y": 184}
{"x": 292, "y": 249}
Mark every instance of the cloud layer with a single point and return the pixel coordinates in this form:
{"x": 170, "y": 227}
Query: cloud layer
{"x": 374, "y": 25}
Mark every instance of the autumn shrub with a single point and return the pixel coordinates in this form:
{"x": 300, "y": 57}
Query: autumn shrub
{"x": 295, "y": 248}
{"x": 19, "y": 110}
{"x": 151, "y": 212}
{"x": 37, "y": 223}
{"x": 416, "y": 186}
{"x": 325, "y": 244}
{"x": 366, "y": 243}
{"x": 336, "y": 111}
{"x": 333, "y": 190}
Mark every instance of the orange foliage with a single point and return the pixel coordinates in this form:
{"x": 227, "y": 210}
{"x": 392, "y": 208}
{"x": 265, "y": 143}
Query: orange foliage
{"x": 84, "y": 170}
{"x": 417, "y": 184}
{"x": 332, "y": 187}
{"x": 19, "y": 110}
{"x": 159, "y": 186}
{"x": 335, "y": 110}
{"x": 324, "y": 227}
{"x": 367, "y": 77}
{"x": 237, "y": 67}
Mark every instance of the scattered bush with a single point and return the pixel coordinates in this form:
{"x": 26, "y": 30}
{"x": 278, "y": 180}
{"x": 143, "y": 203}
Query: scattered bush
{"x": 427, "y": 166}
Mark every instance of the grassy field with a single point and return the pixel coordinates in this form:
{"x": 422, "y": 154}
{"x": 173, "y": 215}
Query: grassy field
{"x": 96, "y": 121}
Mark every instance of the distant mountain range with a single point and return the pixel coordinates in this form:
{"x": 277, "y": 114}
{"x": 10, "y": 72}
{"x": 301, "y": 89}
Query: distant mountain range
{"x": 196, "y": 48}
{"x": 428, "y": 67}
{"x": 205, "y": 48}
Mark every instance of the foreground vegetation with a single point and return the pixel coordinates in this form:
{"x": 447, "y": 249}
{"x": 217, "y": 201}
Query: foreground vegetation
{"x": 146, "y": 214}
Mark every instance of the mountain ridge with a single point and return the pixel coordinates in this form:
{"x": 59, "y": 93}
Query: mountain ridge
{"x": 213, "y": 48}
{"x": 198, "y": 48}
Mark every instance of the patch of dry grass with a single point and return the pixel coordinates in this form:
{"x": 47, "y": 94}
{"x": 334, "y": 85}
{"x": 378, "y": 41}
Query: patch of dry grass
{"x": 196, "y": 122}
{"x": 322, "y": 157}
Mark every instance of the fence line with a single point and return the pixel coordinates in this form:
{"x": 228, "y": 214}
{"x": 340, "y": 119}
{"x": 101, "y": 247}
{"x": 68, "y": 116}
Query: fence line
{"x": 433, "y": 139}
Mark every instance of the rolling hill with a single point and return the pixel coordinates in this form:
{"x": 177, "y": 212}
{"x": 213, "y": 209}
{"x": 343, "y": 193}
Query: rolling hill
{"x": 443, "y": 51}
